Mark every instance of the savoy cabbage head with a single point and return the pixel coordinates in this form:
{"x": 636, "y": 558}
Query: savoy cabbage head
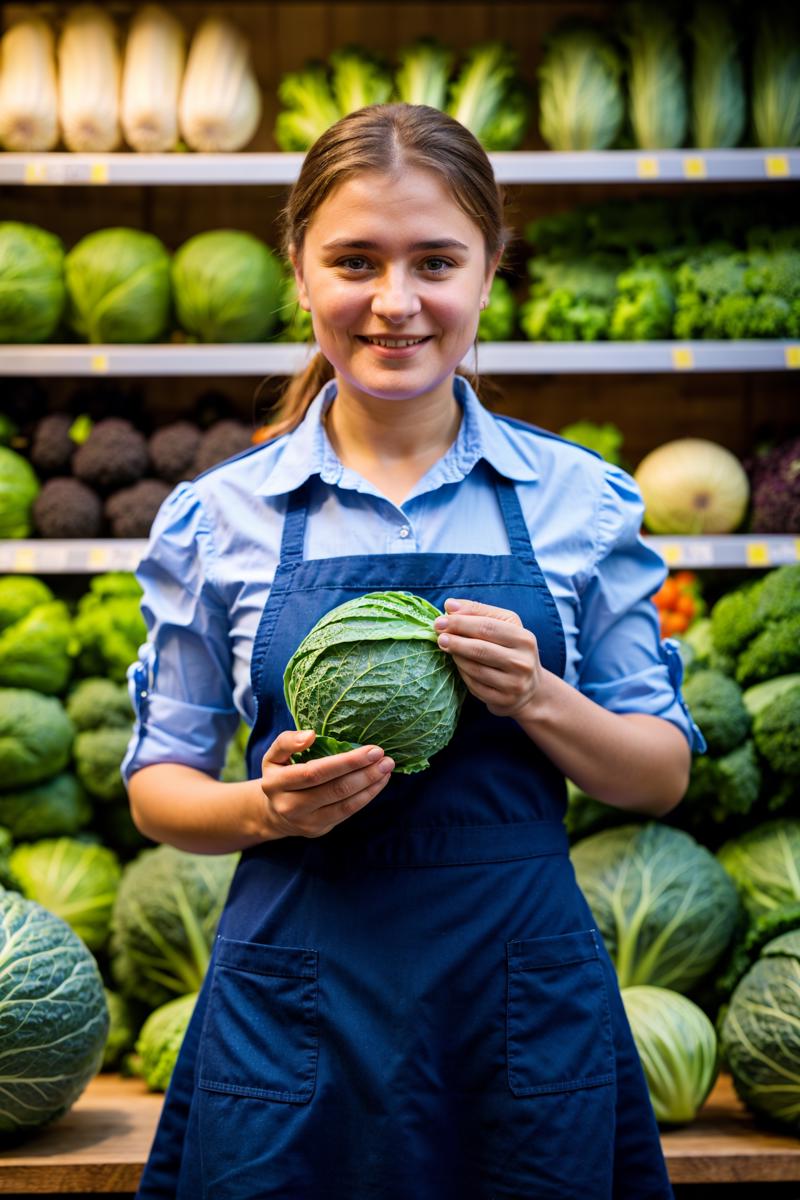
{"x": 53, "y": 1016}
{"x": 664, "y": 905}
{"x": 371, "y": 671}
{"x": 760, "y": 1036}
{"x": 764, "y": 863}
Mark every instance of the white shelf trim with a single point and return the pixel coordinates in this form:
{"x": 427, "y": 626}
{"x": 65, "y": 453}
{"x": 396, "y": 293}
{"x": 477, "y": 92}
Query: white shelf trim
{"x": 78, "y": 556}
{"x": 513, "y": 166}
{"x": 494, "y": 358}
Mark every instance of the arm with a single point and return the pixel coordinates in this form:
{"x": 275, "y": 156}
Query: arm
{"x": 630, "y": 761}
{"x": 191, "y": 810}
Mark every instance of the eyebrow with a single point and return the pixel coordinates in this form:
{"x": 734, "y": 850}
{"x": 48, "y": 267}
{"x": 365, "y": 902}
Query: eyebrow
{"x": 360, "y": 244}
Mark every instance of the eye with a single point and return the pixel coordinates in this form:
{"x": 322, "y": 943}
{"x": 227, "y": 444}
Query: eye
{"x": 437, "y": 266}
{"x": 354, "y": 262}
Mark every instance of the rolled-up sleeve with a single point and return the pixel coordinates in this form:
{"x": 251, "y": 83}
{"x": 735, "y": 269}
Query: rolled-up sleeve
{"x": 181, "y": 684}
{"x": 624, "y": 664}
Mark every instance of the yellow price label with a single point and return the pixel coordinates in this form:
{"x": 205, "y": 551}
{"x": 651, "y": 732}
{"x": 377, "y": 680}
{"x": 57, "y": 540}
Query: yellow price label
{"x": 797, "y": 549}
{"x": 99, "y": 364}
{"x": 98, "y": 558}
{"x": 792, "y": 357}
{"x": 672, "y": 554}
{"x": 36, "y": 172}
{"x": 24, "y": 560}
{"x": 98, "y": 172}
{"x": 683, "y": 358}
{"x": 757, "y": 554}
{"x": 647, "y": 168}
{"x": 777, "y": 166}
{"x": 694, "y": 167}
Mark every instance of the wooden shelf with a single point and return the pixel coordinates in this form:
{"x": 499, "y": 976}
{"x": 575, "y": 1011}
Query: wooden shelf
{"x": 102, "y": 1143}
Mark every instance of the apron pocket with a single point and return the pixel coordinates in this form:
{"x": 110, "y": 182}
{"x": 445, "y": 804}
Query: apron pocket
{"x": 558, "y": 1032}
{"x": 260, "y": 1036}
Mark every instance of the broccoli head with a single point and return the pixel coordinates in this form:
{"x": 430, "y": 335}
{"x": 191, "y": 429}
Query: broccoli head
{"x": 132, "y": 510}
{"x": 223, "y": 440}
{"x": 758, "y": 625}
{"x": 172, "y": 450}
{"x": 717, "y": 706}
{"x": 95, "y": 702}
{"x": 113, "y": 456}
{"x": 52, "y": 446}
{"x": 19, "y": 594}
{"x": 776, "y": 729}
{"x": 67, "y": 508}
{"x": 721, "y": 787}
{"x": 109, "y": 626}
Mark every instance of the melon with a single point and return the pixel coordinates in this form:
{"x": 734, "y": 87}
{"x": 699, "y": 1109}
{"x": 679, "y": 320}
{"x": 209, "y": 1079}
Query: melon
{"x": 692, "y": 486}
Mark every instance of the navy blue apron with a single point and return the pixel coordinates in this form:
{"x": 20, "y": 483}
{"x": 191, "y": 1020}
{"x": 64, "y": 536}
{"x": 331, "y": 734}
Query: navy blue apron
{"x": 415, "y": 1006}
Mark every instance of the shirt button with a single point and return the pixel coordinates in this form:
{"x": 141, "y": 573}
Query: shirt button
{"x": 403, "y": 531}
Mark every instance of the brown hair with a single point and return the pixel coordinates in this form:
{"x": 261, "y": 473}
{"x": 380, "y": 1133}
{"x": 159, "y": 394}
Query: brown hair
{"x": 385, "y": 137}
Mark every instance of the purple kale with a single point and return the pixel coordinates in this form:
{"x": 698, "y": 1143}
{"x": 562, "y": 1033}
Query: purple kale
{"x": 221, "y": 441}
{"x": 132, "y": 510}
{"x": 172, "y": 450}
{"x": 67, "y": 508}
{"x": 52, "y": 447}
{"x": 113, "y": 456}
{"x": 775, "y": 477}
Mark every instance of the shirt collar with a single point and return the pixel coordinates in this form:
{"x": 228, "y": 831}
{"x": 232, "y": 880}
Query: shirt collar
{"x": 306, "y": 451}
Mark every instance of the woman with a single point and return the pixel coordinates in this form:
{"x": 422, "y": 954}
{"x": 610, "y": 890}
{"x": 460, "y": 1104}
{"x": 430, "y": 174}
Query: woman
{"x": 407, "y": 997}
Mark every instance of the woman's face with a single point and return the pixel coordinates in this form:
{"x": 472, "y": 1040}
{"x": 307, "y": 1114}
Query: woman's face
{"x": 393, "y": 273}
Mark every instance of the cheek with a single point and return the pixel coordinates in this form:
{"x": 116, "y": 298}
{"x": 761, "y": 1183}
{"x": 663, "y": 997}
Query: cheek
{"x": 335, "y": 306}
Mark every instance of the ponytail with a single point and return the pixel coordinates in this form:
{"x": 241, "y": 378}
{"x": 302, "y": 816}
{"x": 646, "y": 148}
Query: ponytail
{"x": 296, "y": 398}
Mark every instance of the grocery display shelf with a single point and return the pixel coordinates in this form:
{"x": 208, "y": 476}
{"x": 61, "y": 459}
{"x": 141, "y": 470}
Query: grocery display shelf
{"x": 101, "y": 1145}
{"x": 511, "y": 167}
{"x": 493, "y": 358}
{"x": 78, "y": 556}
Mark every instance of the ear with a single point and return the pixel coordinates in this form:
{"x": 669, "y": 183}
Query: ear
{"x": 297, "y": 263}
{"x": 494, "y": 262}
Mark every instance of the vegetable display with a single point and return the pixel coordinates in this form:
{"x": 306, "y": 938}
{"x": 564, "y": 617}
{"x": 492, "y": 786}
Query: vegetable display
{"x": 719, "y": 103}
{"x": 32, "y": 291}
{"x": 118, "y": 286}
{"x": 755, "y": 628}
{"x": 665, "y": 907}
{"x": 164, "y": 919}
{"x": 677, "y": 1046}
{"x": 581, "y": 103}
{"x": 692, "y": 485}
{"x": 227, "y": 287}
{"x": 656, "y": 81}
{"x": 760, "y": 1035}
{"x": 371, "y": 670}
{"x": 53, "y": 1016}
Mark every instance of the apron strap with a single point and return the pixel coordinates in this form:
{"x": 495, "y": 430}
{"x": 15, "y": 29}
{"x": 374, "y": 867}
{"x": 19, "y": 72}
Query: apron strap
{"x": 294, "y": 526}
{"x": 519, "y": 539}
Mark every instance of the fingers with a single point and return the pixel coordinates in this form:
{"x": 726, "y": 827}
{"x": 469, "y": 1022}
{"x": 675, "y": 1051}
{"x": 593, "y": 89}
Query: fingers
{"x": 481, "y": 628}
{"x": 291, "y": 741}
{"x": 334, "y": 770}
{"x": 474, "y": 608}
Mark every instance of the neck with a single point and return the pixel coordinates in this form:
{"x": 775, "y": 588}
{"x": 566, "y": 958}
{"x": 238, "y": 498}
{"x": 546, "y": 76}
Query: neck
{"x": 393, "y": 433}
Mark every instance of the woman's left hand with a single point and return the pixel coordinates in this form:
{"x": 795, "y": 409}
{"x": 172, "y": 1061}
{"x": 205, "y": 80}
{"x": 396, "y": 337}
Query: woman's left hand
{"x": 497, "y": 658}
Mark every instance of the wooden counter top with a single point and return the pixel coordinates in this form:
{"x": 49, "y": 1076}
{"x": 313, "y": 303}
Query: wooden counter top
{"x": 102, "y": 1143}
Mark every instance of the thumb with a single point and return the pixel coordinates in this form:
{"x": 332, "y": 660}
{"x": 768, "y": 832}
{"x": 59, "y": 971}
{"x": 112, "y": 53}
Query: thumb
{"x": 291, "y": 741}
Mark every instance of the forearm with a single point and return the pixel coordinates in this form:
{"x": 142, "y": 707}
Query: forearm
{"x": 192, "y": 811}
{"x": 631, "y": 761}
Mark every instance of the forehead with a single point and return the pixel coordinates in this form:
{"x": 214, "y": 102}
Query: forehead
{"x": 413, "y": 204}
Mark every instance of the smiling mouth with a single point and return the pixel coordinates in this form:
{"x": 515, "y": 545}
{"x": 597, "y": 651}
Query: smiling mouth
{"x": 393, "y": 343}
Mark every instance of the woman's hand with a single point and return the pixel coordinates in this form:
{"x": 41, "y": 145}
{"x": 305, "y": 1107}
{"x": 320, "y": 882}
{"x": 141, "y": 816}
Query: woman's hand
{"x": 308, "y": 799}
{"x": 497, "y": 658}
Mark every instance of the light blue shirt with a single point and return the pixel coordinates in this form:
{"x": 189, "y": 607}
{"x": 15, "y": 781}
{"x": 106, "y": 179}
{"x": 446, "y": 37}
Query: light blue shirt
{"x": 215, "y": 544}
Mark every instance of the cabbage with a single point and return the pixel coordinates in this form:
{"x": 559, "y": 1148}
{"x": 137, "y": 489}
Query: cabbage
{"x": 160, "y": 1039}
{"x": 19, "y": 487}
{"x": 677, "y": 1046}
{"x": 53, "y": 1016}
{"x": 776, "y": 70}
{"x": 664, "y": 906}
{"x": 118, "y": 286}
{"x": 760, "y": 1038}
{"x": 75, "y": 880}
{"x": 764, "y": 863}
{"x": 31, "y": 282}
{"x": 228, "y": 287}
{"x": 371, "y": 671}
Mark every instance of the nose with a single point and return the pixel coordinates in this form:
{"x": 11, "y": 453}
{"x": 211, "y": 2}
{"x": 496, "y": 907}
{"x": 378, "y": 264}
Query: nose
{"x": 395, "y": 297}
